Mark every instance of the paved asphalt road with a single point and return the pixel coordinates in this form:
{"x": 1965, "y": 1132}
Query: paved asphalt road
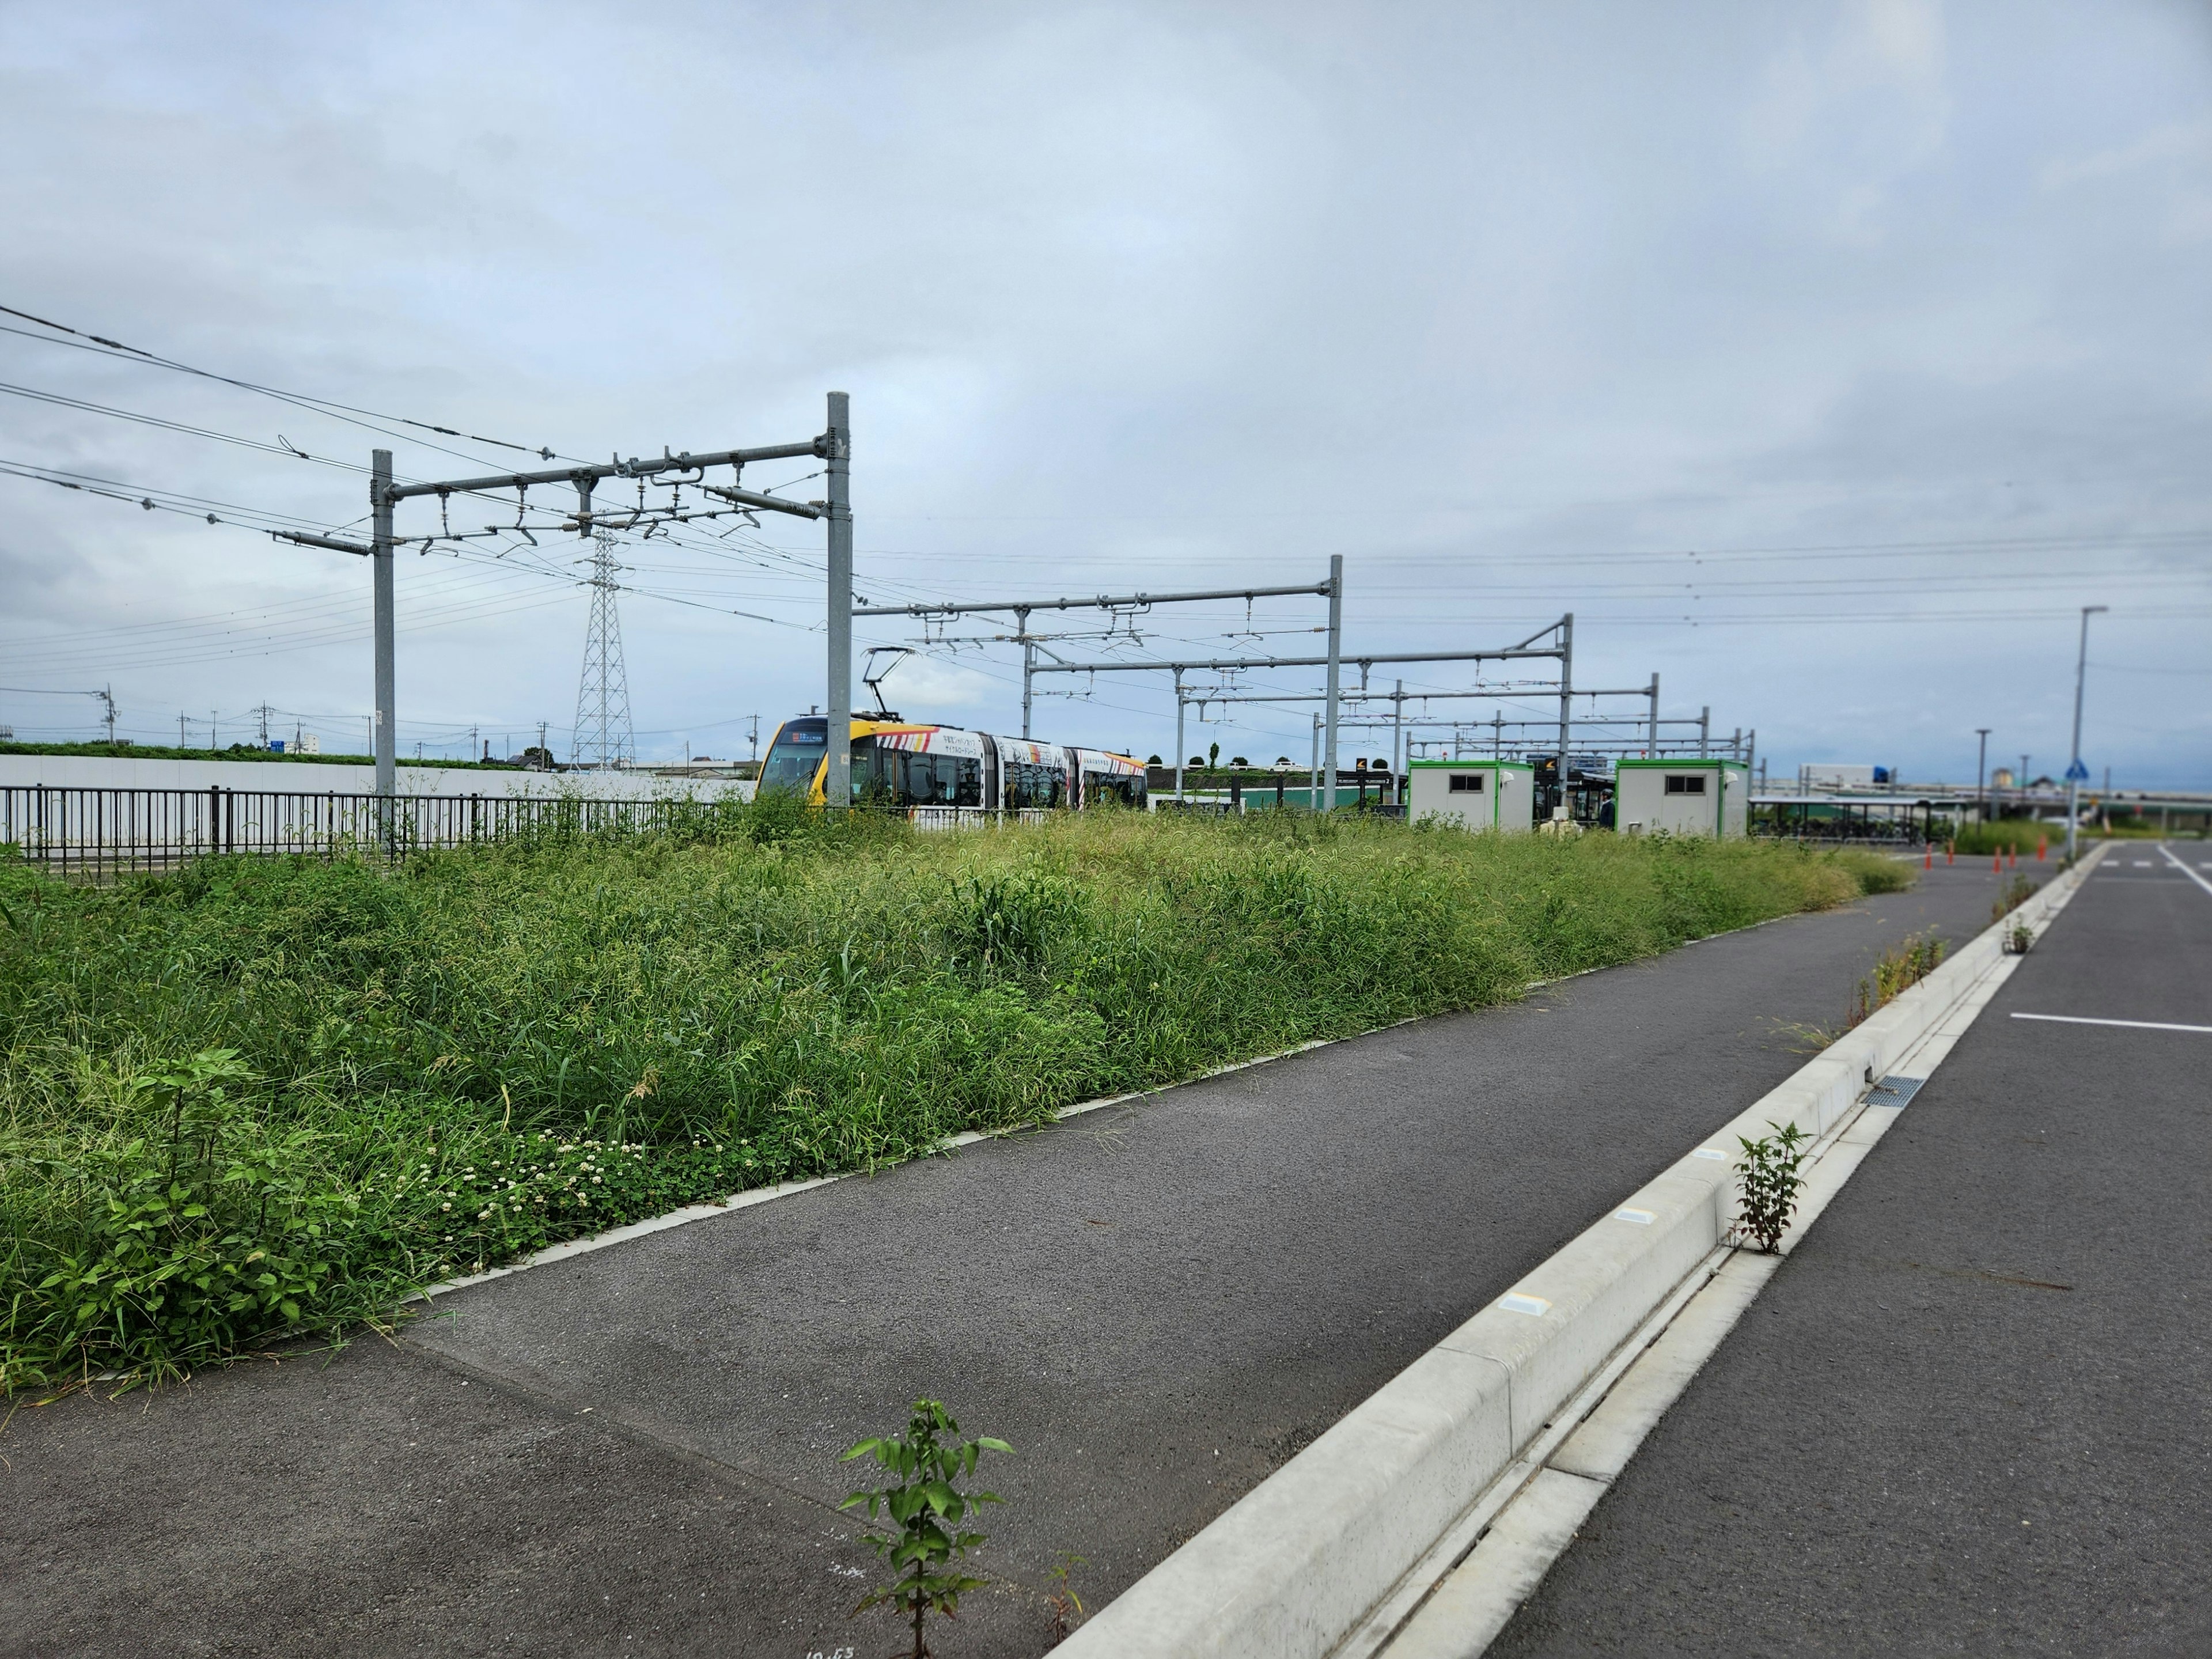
{"x": 1973, "y": 1413}
{"x": 634, "y": 1452}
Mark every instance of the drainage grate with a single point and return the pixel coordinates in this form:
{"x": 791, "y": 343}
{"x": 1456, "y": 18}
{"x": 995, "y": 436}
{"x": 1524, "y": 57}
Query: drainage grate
{"x": 1894, "y": 1091}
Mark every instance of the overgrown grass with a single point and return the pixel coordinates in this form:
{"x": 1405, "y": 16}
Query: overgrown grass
{"x": 2009, "y": 836}
{"x": 433, "y": 1068}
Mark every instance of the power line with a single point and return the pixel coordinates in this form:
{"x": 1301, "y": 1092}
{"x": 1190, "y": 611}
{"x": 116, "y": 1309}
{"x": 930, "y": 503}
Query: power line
{"x": 100, "y": 346}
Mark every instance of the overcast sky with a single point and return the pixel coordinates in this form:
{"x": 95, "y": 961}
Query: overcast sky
{"x": 1823, "y": 359}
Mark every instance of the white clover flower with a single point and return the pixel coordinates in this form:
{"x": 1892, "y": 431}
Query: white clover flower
{"x": 445, "y": 1206}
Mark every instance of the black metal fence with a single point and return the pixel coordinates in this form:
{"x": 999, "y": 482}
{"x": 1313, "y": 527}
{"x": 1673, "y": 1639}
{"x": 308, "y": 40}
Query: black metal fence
{"x": 102, "y": 832}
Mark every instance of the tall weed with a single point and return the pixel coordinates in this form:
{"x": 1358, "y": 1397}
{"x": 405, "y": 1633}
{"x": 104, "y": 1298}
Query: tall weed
{"x": 429, "y": 1057}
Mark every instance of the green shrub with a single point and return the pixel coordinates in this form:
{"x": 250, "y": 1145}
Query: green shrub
{"x": 1769, "y": 1184}
{"x": 2008, "y": 835}
{"x": 924, "y": 1505}
{"x": 475, "y": 1053}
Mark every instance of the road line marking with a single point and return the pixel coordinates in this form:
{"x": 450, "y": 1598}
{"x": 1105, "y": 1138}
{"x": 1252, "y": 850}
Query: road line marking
{"x": 1448, "y": 1601}
{"x": 2132, "y": 1024}
{"x": 2184, "y": 869}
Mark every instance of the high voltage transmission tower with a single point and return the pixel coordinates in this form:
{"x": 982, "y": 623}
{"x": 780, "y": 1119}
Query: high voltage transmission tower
{"x": 604, "y": 735}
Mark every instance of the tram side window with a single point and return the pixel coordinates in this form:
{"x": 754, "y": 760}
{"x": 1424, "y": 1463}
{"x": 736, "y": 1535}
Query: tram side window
{"x": 943, "y": 780}
{"x": 1029, "y": 785}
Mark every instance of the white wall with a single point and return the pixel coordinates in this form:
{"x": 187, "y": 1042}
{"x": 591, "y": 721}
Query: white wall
{"x": 1640, "y": 799}
{"x": 1506, "y": 803}
{"x": 310, "y": 777}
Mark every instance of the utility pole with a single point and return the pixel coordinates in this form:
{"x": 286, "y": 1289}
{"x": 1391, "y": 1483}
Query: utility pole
{"x": 1335, "y": 667}
{"x": 838, "y": 782}
{"x": 544, "y": 755}
{"x": 476, "y": 755}
{"x": 214, "y": 744}
{"x": 2075, "y": 770}
{"x": 379, "y": 545}
{"x": 180, "y": 728}
{"x": 1652, "y": 753}
{"x": 1313, "y": 794}
{"x": 1706, "y": 732}
{"x": 753, "y": 738}
{"x": 1981, "y": 771}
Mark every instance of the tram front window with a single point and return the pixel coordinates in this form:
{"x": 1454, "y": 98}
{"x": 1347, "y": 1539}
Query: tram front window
{"x": 796, "y": 755}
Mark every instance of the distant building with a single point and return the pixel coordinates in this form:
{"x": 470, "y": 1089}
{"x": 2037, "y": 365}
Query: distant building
{"x": 1836, "y": 775}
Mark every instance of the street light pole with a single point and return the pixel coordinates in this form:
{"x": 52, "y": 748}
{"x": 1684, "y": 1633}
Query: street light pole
{"x": 2075, "y": 770}
{"x": 1981, "y": 771}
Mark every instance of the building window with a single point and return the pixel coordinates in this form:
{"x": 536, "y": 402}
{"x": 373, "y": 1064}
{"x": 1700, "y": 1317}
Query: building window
{"x": 1679, "y": 783}
{"x": 1466, "y": 783}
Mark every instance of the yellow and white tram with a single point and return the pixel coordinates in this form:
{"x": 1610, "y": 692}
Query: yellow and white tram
{"x": 947, "y": 771}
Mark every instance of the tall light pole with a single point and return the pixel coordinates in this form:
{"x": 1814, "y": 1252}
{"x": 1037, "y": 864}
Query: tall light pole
{"x": 2075, "y": 770}
{"x": 1981, "y": 771}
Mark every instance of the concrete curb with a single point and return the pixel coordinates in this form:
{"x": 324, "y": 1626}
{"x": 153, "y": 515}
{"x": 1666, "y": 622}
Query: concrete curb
{"x": 1316, "y": 1551}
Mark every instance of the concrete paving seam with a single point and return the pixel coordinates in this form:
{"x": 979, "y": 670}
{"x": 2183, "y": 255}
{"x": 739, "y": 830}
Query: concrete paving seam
{"x": 1311, "y": 1563}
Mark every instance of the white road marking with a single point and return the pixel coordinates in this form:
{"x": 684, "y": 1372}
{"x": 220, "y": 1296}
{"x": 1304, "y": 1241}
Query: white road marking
{"x": 2141, "y": 864}
{"x": 2184, "y": 869}
{"x": 2132, "y": 1024}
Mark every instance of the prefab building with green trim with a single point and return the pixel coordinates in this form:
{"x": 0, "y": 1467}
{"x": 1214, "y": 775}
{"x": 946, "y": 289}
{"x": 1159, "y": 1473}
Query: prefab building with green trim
{"x": 1682, "y": 797}
{"x": 1474, "y": 794}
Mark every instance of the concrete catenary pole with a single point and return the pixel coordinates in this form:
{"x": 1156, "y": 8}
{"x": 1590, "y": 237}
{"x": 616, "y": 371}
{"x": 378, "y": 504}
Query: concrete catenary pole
{"x": 1179, "y": 751}
{"x": 838, "y": 784}
{"x": 1704, "y": 731}
{"x": 1398, "y": 737}
{"x": 1028, "y": 667}
{"x": 380, "y": 542}
{"x": 1335, "y": 668}
{"x": 1652, "y": 752}
{"x": 2074, "y": 766}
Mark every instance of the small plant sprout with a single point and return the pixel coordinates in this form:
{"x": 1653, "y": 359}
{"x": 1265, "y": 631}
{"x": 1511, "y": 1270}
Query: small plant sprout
{"x": 925, "y": 1505}
{"x": 1066, "y": 1606}
{"x": 1771, "y": 1183}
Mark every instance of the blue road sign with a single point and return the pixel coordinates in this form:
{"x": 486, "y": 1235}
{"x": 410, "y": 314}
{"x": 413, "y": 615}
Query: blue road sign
{"x": 2077, "y": 773}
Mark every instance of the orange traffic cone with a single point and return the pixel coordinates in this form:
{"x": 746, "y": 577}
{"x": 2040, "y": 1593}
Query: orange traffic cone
{"x": 1950, "y": 854}
{"x": 1928, "y": 858}
{"x": 2041, "y": 847}
{"x": 2014, "y": 862}
{"x": 1997, "y": 862}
